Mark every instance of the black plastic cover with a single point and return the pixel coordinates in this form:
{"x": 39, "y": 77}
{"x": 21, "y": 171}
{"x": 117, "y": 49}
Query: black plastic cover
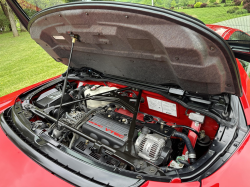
{"x": 52, "y": 99}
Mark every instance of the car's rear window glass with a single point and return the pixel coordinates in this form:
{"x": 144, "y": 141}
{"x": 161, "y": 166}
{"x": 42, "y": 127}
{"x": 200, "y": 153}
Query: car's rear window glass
{"x": 228, "y": 13}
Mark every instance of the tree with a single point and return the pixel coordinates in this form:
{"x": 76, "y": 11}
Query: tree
{"x": 12, "y": 21}
{"x": 173, "y": 3}
{"x": 184, "y": 2}
{"x": 4, "y": 8}
{"x": 22, "y": 28}
{"x": 4, "y": 21}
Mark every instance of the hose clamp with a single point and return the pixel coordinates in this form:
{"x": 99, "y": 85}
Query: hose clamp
{"x": 192, "y": 155}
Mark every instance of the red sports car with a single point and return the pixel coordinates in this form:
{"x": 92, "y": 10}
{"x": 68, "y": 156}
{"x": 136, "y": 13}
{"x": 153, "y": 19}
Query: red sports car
{"x": 151, "y": 97}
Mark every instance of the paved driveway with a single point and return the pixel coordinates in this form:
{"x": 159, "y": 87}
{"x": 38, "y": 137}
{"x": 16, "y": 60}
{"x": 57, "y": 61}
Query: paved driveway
{"x": 242, "y": 23}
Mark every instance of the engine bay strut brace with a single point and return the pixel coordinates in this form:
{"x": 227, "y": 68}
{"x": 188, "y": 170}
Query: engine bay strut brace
{"x": 125, "y": 153}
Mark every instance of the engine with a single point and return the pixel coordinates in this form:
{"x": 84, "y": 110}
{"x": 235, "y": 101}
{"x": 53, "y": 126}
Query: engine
{"x": 107, "y": 131}
{"x": 102, "y": 129}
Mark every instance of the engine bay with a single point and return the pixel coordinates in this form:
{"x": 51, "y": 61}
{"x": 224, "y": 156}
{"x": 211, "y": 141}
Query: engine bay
{"x": 120, "y": 126}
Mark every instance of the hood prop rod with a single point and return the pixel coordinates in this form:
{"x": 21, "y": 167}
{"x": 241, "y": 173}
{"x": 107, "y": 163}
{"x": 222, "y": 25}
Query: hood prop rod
{"x": 74, "y": 37}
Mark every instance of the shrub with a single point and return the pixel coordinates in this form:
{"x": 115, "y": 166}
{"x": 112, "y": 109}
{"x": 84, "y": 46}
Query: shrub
{"x": 191, "y": 6}
{"x": 203, "y": 5}
{"x": 212, "y": 1}
{"x": 232, "y": 10}
{"x": 241, "y": 11}
{"x": 246, "y": 1}
{"x": 247, "y": 7}
{"x": 173, "y": 3}
{"x": 237, "y": 3}
{"x": 197, "y": 5}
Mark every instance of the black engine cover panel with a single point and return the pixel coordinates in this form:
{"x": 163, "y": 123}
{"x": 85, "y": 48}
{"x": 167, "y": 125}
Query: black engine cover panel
{"x": 50, "y": 99}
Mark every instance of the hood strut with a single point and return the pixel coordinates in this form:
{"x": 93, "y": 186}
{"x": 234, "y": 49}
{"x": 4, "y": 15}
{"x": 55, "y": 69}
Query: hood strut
{"x": 74, "y": 37}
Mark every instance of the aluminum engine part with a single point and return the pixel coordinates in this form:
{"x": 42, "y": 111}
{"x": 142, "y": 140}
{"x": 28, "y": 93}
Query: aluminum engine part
{"x": 73, "y": 116}
{"x": 149, "y": 146}
{"x": 94, "y": 104}
{"x": 196, "y": 117}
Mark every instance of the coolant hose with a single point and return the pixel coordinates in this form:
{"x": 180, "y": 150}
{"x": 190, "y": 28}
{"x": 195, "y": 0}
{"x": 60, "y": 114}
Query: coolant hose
{"x": 191, "y": 152}
{"x": 186, "y": 127}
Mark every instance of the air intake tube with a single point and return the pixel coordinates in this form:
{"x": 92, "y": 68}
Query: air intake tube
{"x": 191, "y": 152}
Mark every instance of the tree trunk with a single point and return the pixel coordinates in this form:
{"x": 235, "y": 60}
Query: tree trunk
{"x": 12, "y": 22}
{"x": 4, "y": 8}
{"x": 22, "y": 27}
{"x": 3, "y": 5}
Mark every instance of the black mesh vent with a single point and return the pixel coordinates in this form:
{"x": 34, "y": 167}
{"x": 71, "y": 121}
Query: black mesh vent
{"x": 94, "y": 155}
{"x": 81, "y": 145}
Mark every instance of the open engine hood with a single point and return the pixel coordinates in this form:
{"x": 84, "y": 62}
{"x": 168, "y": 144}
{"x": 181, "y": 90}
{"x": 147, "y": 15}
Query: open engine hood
{"x": 138, "y": 42}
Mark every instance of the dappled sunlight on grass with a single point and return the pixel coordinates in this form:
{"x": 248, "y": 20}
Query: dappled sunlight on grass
{"x": 212, "y": 14}
{"x": 23, "y": 62}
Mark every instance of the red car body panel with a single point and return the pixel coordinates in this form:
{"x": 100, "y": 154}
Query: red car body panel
{"x": 245, "y": 99}
{"x": 233, "y": 172}
{"x": 162, "y": 184}
{"x": 224, "y": 32}
{"x": 8, "y": 100}
{"x": 17, "y": 169}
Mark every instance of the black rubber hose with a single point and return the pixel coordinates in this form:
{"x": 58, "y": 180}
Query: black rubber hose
{"x": 82, "y": 90}
{"x": 184, "y": 162}
{"x": 186, "y": 127}
{"x": 191, "y": 152}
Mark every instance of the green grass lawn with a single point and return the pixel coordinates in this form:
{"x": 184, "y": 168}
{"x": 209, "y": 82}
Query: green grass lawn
{"x": 211, "y": 15}
{"x": 207, "y": 15}
{"x": 23, "y": 62}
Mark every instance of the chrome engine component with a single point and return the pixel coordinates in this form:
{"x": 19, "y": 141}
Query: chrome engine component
{"x": 149, "y": 146}
{"x": 72, "y": 117}
{"x": 196, "y": 117}
{"x": 97, "y": 90}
